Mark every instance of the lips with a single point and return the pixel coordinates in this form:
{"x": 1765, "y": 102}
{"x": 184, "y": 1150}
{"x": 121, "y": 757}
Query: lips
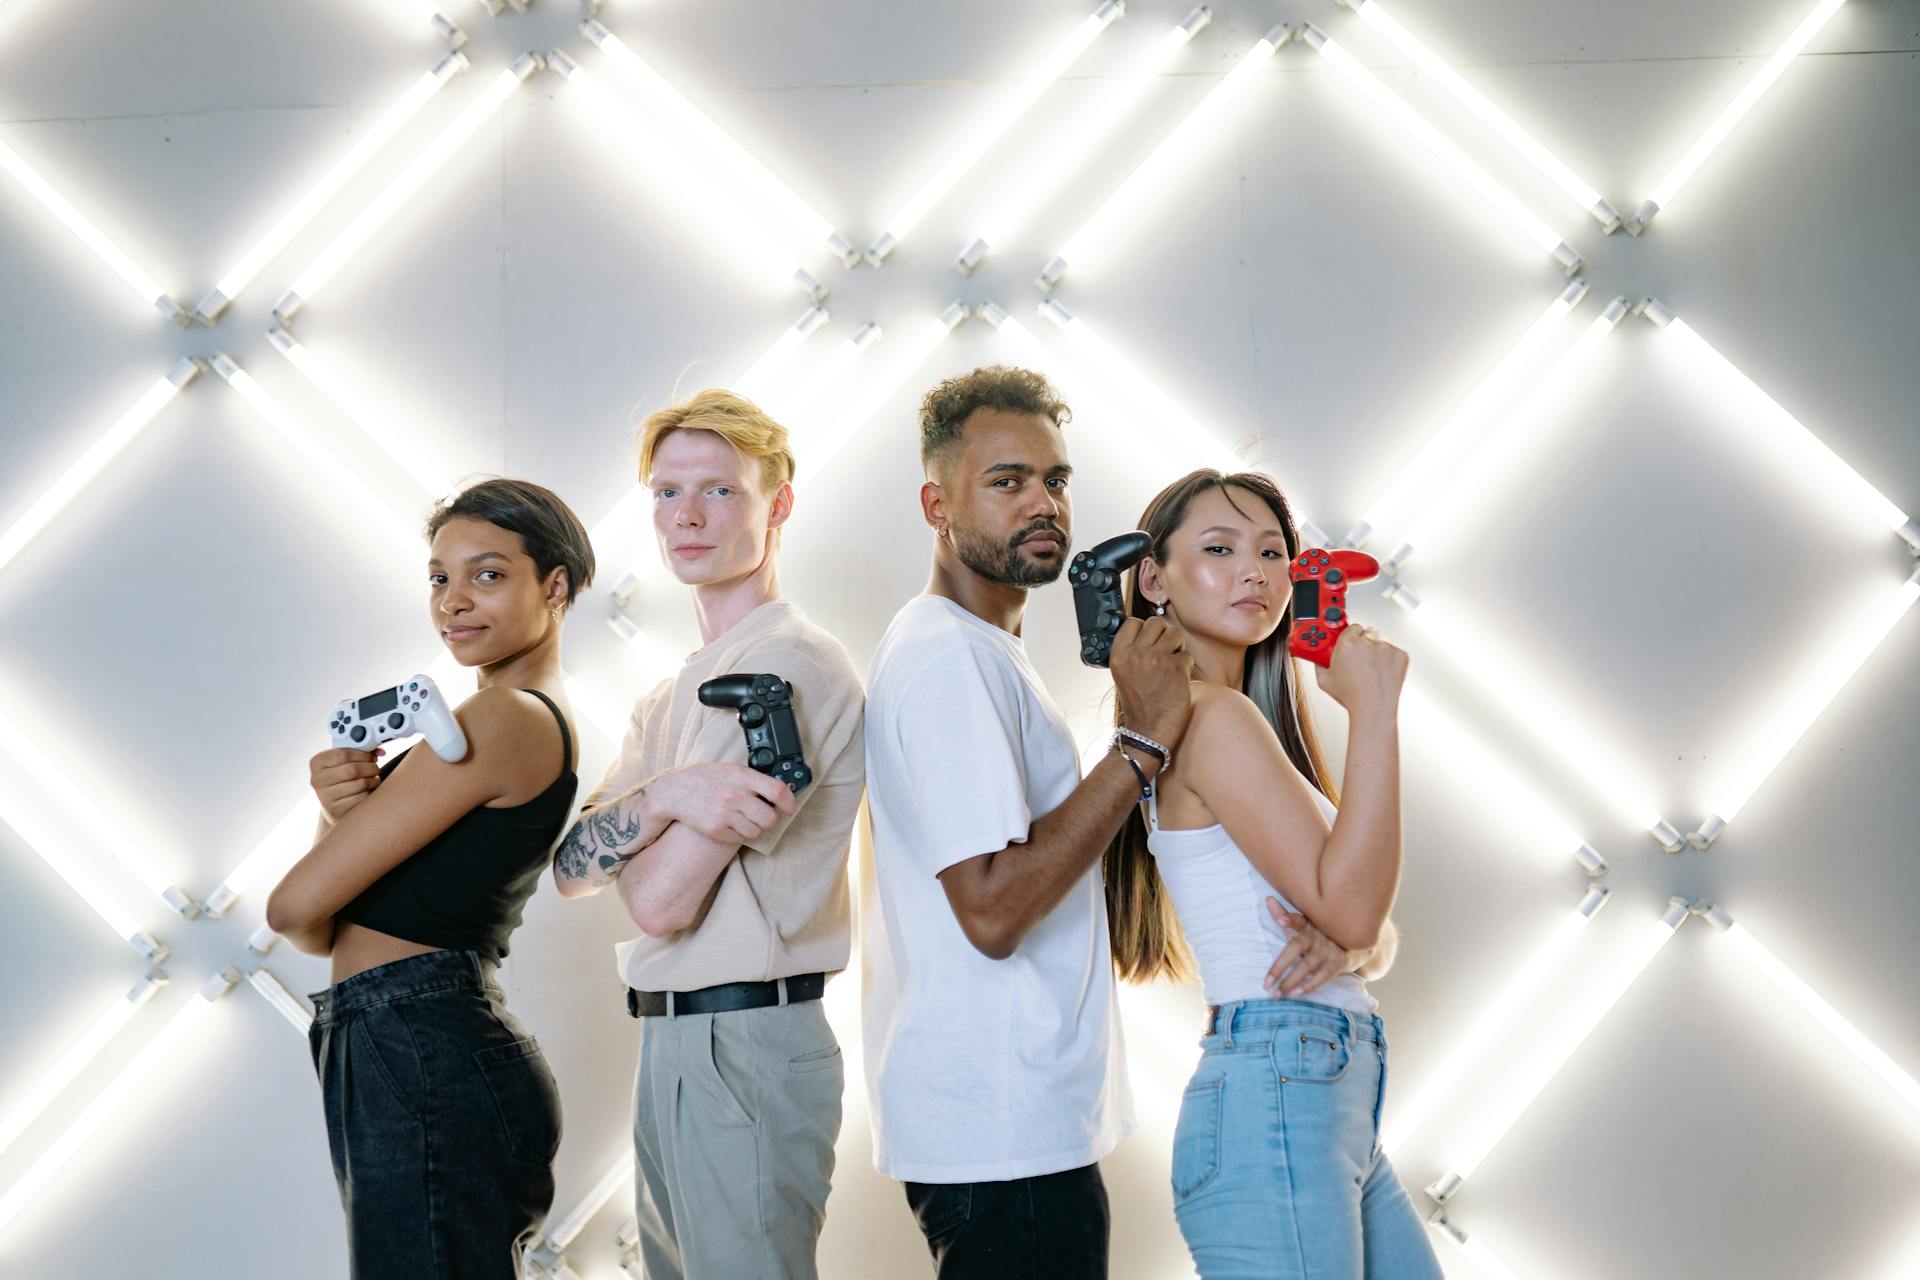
{"x": 692, "y": 549}
{"x": 1250, "y": 604}
{"x": 455, "y": 635}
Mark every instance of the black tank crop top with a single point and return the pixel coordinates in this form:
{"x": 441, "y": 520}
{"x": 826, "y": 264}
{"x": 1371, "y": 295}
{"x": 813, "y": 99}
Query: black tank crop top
{"x": 465, "y": 889}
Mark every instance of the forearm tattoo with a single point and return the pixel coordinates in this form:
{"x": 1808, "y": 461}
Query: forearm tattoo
{"x": 597, "y": 846}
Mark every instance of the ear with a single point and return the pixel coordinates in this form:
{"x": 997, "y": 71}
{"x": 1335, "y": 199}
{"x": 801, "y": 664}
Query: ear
{"x": 558, "y": 585}
{"x": 933, "y": 505}
{"x": 1147, "y": 583}
{"x": 782, "y": 505}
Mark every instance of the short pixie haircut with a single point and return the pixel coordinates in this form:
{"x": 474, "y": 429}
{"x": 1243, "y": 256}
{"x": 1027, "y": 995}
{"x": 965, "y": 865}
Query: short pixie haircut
{"x": 735, "y": 419}
{"x": 947, "y": 407}
{"x": 548, "y": 529}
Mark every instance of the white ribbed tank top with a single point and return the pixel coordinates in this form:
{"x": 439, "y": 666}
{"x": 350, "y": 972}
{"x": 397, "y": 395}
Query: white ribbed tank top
{"x": 1222, "y": 904}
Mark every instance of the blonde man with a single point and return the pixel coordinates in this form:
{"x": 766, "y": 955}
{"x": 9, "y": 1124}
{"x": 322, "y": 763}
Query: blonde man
{"x": 738, "y": 885}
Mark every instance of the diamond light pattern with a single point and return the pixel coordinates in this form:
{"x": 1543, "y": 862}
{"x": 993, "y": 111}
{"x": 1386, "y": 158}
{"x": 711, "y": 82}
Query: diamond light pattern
{"x": 799, "y": 391}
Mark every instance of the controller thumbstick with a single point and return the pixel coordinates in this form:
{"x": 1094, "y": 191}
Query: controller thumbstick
{"x": 1334, "y": 615}
{"x": 396, "y": 720}
{"x": 359, "y": 733}
{"x": 761, "y": 758}
{"x": 752, "y": 713}
{"x": 1334, "y": 575}
{"x": 1105, "y": 582}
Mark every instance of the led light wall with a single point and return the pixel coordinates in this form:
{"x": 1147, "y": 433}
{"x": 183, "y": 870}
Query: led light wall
{"x": 1643, "y": 486}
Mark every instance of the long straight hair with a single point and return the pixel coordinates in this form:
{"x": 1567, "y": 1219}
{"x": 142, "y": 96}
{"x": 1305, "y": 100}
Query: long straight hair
{"x": 1142, "y": 929}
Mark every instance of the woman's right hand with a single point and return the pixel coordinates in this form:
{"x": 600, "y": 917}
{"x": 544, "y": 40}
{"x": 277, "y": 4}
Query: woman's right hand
{"x": 342, "y": 777}
{"x": 1365, "y": 672}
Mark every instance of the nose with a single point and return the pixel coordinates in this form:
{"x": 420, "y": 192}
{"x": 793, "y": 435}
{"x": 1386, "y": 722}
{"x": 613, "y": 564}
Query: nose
{"x": 455, "y": 599}
{"x": 686, "y": 514}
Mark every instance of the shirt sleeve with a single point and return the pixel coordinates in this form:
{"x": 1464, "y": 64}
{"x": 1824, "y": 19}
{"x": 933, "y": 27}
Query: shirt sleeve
{"x": 958, "y": 732}
{"x": 828, "y": 706}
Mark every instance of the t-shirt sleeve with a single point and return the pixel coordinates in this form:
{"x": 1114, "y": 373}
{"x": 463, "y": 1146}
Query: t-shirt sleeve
{"x": 628, "y": 769}
{"x": 957, "y": 728}
{"x": 827, "y": 710}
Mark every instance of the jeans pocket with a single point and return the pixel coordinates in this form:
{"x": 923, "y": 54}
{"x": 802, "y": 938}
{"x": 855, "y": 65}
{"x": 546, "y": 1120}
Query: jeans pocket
{"x": 381, "y": 1037}
{"x": 525, "y": 1098}
{"x": 1196, "y": 1137}
{"x": 940, "y": 1208}
{"x": 1319, "y": 1057}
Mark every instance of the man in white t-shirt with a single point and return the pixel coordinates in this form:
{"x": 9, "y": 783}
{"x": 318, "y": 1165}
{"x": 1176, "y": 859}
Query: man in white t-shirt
{"x": 993, "y": 1054}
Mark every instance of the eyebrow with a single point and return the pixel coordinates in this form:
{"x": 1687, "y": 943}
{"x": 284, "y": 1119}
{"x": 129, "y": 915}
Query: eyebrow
{"x": 1221, "y": 528}
{"x": 477, "y": 558}
{"x": 1025, "y": 469}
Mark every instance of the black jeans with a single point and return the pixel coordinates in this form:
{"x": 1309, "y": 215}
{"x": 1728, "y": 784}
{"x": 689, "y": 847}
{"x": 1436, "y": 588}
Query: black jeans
{"x": 1050, "y": 1227}
{"x": 442, "y": 1117}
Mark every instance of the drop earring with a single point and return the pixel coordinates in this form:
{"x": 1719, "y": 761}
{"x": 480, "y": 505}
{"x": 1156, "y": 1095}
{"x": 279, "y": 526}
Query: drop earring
{"x": 1160, "y": 610}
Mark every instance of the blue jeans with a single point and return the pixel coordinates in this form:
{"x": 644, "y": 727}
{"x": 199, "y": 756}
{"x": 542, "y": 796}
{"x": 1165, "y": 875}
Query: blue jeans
{"x": 1277, "y": 1168}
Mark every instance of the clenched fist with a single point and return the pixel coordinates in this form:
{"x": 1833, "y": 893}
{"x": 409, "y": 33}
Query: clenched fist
{"x": 1365, "y": 672}
{"x": 1151, "y": 668}
{"x": 342, "y": 777}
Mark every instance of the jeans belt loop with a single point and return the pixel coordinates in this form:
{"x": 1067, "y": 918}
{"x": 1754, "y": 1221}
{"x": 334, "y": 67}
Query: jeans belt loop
{"x": 670, "y": 1002}
{"x": 1225, "y": 1027}
{"x": 781, "y": 983}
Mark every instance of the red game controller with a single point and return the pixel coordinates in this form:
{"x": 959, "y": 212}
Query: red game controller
{"x": 1320, "y": 582}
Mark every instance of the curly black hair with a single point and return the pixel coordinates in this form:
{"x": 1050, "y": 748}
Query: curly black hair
{"x": 947, "y": 407}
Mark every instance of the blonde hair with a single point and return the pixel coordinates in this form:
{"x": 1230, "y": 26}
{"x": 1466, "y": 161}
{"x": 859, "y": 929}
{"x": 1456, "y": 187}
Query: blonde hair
{"x": 735, "y": 419}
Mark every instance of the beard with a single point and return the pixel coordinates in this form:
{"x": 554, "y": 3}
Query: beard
{"x": 1004, "y": 562}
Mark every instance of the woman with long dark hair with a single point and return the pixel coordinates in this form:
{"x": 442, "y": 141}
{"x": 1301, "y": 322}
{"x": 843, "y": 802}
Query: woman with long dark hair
{"x": 1277, "y": 1167}
{"x": 442, "y": 1116}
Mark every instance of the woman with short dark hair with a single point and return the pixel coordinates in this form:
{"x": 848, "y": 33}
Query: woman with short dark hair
{"x": 442, "y": 1116}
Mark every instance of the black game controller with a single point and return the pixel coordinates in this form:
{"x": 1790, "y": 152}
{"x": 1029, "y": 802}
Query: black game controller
{"x": 765, "y": 704}
{"x": 1097, "y": 601}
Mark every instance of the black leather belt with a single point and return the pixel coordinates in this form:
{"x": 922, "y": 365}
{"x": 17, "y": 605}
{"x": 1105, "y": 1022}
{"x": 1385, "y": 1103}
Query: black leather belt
{"x": 726, "y": 998}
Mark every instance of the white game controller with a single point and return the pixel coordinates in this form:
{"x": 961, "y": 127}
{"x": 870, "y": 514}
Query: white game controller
{"x": 408, "y": 708}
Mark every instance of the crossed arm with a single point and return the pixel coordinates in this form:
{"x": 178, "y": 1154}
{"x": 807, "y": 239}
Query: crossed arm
{"x": 664, "y": 843}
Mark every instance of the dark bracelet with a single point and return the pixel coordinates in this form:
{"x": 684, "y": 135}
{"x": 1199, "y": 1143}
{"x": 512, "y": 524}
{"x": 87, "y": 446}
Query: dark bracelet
{"x": 1146, "y": 785}
{"x": 1133, "y": 737}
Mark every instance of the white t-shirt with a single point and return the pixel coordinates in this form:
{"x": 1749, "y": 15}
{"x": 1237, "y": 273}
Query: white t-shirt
{"x": 978, "y": 1070}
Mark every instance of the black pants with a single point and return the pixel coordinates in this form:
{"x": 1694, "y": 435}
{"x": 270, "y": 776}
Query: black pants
{"x": 442, "y": 1117}
{"x": 1050, "y": 1227}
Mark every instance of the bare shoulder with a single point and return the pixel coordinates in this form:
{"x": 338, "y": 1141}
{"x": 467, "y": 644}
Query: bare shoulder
{"x": 500, "y": 722}
{"x": 1222, "y": 717}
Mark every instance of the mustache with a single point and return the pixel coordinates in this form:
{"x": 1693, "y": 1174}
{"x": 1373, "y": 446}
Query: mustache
{"x": 1044, "y": 526}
